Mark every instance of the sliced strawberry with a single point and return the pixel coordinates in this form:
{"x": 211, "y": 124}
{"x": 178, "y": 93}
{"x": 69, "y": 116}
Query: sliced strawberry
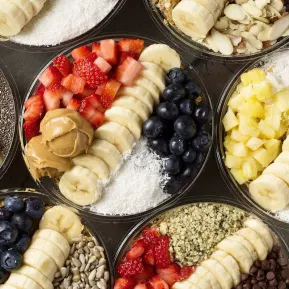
{"x": 74, "y": 104}
{"x": 145, "y": 275}
{"x": 186, "y": 272}
{"x": 80, "y": 52}
{"x": 171, "y": 274}
{"x": 108, "y": 51}
{"x": 136, "y": 250}
{"x": 96, "y": 48}
{"x": 158, "y": 283}
{"x": 103, "y": 65}
{"x": 73, "y": 83}
{"x": 63, "y": 64}
{"x": 148, "y": 257}
{"x": 56, "y": 87}
{"x": 100, "y": 89}
{"x": 34, "y": 108}
{"x": 131, "y": 45}
{"x": 86, "y": 92}
{"x": 66, "y": 96}
{"x": 150, "y": 236}
{"x": 140, "y": 286}
{"x": 130, "y": 267}
{"x": 40, "y": 89}
{"x": 124, "y": 55}
{"x": 51, "y": 100}
{"x": 91, "y": 56}
{"x": 162, "y": 253}
{"x": 50, "y": 75}
{"x": 124, "y": 283}
{"x": 31, "y": 128}
{"x": 110, "y": 90}
{"x": 128, "y": 71}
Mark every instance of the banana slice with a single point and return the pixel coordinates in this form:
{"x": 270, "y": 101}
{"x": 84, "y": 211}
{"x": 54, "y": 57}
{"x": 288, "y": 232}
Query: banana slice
{"x": 5, "y": 286}
{"x": 283, "y": 158}
{"x": 127, "y": 118}
{"x": 204, "y": 274}
{"x": 256, "y": 241}
{"x": 62, "y": 220}
{"x": 155, "y": 74}
{"x": 162, "y": 55}
{"x": 221, "y": 274}
{"x": 204, "y": 284}
{"x": 37, "y": 5}
{"x": 279, "y": 170}
{"x": 238, "y": 252}
{"x": 94, "y": 164}
{"x": 35, "y": 275}
{"x": 139, "y": 93}
{"x": 21, "y": 281}
{"x": 26, "y": 7}
{"x": 260, "y": 228}
{"x": 133, "y": 104}
{"x": 150, "y": 87}
{"x": 229, "y": 263}
{"x": 270, "y": 192}
{"x": 54, "y": 237}
{"x": 117, "y": 135}
{"x": 183, "y": 285}
{"x": 12, "y": 19}
{"x": 198, "y": 280}
{"x": 41, "y": 262}
{"x": 285, "y": 145}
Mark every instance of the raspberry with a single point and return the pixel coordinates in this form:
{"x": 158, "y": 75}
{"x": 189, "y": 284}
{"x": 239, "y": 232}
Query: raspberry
{"x": 63, "y": 64}
{"x": 161, "y": 252}
{"x": 129, "y": 267}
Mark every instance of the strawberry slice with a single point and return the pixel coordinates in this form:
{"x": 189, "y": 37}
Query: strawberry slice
{"x": 40, "y": 89}
{"x": 91, "y": 57}
{"x": 141, "y": 286}
{"x": 110, "y": 90}
{"x": 103, "y": 65}
{"x": 124, "y": 283}
{"x": 131, "y": 45}
{"x": 95, "y": 102}
{"x": 100, "y": 89}
{"x": 186, "y": 272}
{"x": 150, "y": 236}
{"x": 34, "y": 108}
{"x": 137, "y": 250}
{"x": 124, "y": 55}
{"x": 74, "y": 104}
{"x": 63, "y": 64}
{"x": 86, "y": 92}
{"x": 148, "y": 257}
{"x": 51, "y": 100}
{"x": 108, "y": 51}
{"x": 145, "y": 275}
{"x": 171, "y": 274}
{"x": 162, "y": 253}
{"x": 128, "y": 71}
{"x": 66, "y": 96}
{"x": 80, "y": 52}
{"x": 128, "y": 267}
{"x": 158, "y": 283}
{"x": 96, "y": 48}
{"x": 50, "y": 75}
{"x": 31, "y": 128}
{"x": 57, "y": 88}
{"x": 73, "y": 83}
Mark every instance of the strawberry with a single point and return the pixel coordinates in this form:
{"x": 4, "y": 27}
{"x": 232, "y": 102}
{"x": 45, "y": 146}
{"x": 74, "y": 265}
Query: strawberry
{"x": 86, "y": 92}
{"x": 66, "y": 96}
{"x": 80, "y": 52}
{"x": 91, "y": 56}
{"x": 100, "y": 89}
{"x": 131, "y": 45}
{"x": 110, "y": 90}
{"x": 130, "y": 267}
{"x": 140, "y": 286}
{"x": 171, "y": 274}
{"x": 103, "y": 65}
{"x": 124, "y": 55}
{"x": 137, "y": 250}
{"x": 145, "y": 275}
{"x": 50, "y": 75}
{"x": 74, "y": 104}
{"x": 96, "y": 48}
{"x": 63, "y": 64}
{"x": 31, "y": 128}
{"x": 186, "y": 272}
{"x": 56, "y": 88}
{"x": 108, "y": 51}
{"x": 158, "y": 283}
{"x": 124, "y": 283}
{"x": 51, "y": 100}
{"x": 40, "y": 89}
{"x": 34, "y": 108}
{"x": 73, "y": 83}
{"x": 148, "y": 257}
{"x": 90, "y": 73}
{"x": 95, "y": 102}
{"x": 128, "y": 71}
{"x": 150, "y": 236}
{"x": 161, "y": 252}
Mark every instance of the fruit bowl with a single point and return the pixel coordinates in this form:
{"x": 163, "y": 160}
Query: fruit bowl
{"x": 177, "y": 188}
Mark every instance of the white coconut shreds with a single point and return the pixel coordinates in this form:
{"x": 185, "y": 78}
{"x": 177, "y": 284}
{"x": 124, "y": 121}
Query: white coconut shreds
{"x": 62, "y": 20}
{"x": 137, "y": 186}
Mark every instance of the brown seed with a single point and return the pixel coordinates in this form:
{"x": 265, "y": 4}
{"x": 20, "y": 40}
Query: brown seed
{"x": 256, "y": 286}
{"x": 262, "y": 284}
{"x": 284, "y": 274}
{"x": 282, "y": 261}
{"x": 254, "y": 281}
{"x": 247, "y": 285}
{"x": 265, "y": 265}
{"x": 244, "y": 276}
{"x": 258, "y": 263}
{"x": 260, "y": 275}
{"x": 270, "y": 276}
{"x": 253, "y": 270}
{"x": 273, "y": 282}
{"x": 282, "y": 285}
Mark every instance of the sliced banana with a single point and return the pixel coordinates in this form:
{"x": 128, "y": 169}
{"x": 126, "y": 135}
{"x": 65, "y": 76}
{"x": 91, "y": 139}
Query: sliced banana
{"x": 139, "y": 93}
{"x": 259, "y": 227}
{"x": 94, "y": 164}
{"x": 203, "y": 273}
{"x": 37, "y": 5}
{"x": 26, "y": 7}
{"x": 199, "y": 280}
{"x": 283, "y": 158}
{"x": 133, "y": 104}
{"x": 21, "y": 281}
{"x": 117, "y": 135}
{"x": 150, "y": 87}
{"x": 5, "y": 286}
{"x": 203, "y": 283}
{"x": 162, "y": 55}
{"x": 256, "y": 241}
{"x": 285, "y": 145}
{"x": 127, "y": 118}
{"x": 62, "y": 220}
{"x": 270, "y": 192}
{"x": 279, "y": 170}
{"x": 183, "y": 285}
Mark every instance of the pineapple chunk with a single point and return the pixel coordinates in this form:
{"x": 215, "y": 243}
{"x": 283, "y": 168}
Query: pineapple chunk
{"x": 254, "y": 143}
{"x": 239, "y": 86}
{"x": 282, "y": 100}
{"x": 229, "y": 143}
{"x": 282, "y": 130}
{"x": 238, "y": 176}
{"x": 247, "y": 92}
{"x": 254, "y": 75}
{"x": 233, "y": 162}
{"x": 249, "y": 169}
{"x": 263, "y": 157}
{"x": 237, "y": 136}
{"x": 236, "y": 102}
{"x": 263, "y": 90}
{"x": 230, "y": 120}
{"x": 253, "y": 108}
{"x": 267, "y": 131}
{"x": 273, "y": 116}
{"x": 235, "y": 148}
{"x": 273, "y": 147}
{"x": 248, "y": 126}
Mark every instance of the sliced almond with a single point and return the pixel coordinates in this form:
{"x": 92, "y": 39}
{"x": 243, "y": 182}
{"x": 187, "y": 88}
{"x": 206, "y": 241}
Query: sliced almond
{"x": 252, "y": 49}
{"x": 261, "y": 4}
{"x": 211, "y": 43}
{"x": 254, "y": 29}
{"x": 277, "y": 4}
{"x": 274, "y": 12}
{"x": 236, "y": 40}
{"x": 251, "y": 9}
{"x": 222, "y": 23}
{"x": 233, "y": 26}
{"x": 252, "y": 40}
{"x": 263, "y": 35}
{"x": 234, "y": 12}
{"x": 279, "y": 27}
{"x": 222, "y": 42}
{"x": 241, "y": 1}
{"x": 262, "y": 19}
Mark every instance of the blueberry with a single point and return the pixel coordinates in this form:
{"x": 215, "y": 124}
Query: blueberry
{"x": 160, "y": 145}
{"x": 186, "y": 107}
{"x": 202, "y": 142}
{"x": 177, "y": 146}
{"x": 185, "y": 127}
{"x": 168, "y": 111}
{"x": 193, "y": 90}
{"x": 202, "y": 114}
{"x": 5, "y": 214}
{"x": 10, "y": 260}
{"x": 23, "y": 243}
{"x": 14, "y": 204}
{"x": 200, "y": 159}
{"x": 8, "y": 233}
{"x": 174, "y": 93}
{"x": 3, "y": 276}
{"x": 173, "y": 165}
{"x": 22, "y": 222}
{"x": 34, "y": 208}
{"x": 153, "y": 127}
{"x": 176, "y": 75}
{"x": 189, "y": 156}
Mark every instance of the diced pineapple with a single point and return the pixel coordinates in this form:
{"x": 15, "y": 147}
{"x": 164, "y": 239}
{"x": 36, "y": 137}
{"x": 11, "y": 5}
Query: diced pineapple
{"x": 238, "y": 136}
{"x": 273, "y": 147}
{"x": 248, "y": 125}
{"x": 253, "y": 108}
{"x": 236, "y": 102}
{"x": 239, "y": 150}
{"x": 267, "y": 131}
{"x": 239, "y": 86}
{"x": 273, "y": 116}
{"x": 230, "y": 120}
{"x": 233, "y": 162}
{"x": 282, "y": 100}
{"x": 282, "y": 130}
{"x": 238, "y": 176}
{"x": 263, "y": 90}
{"x": 263, "y": 157}
{"x": 249, "y": 169}
{"x": 254, "y": 75}
{"x": 254, "y": 143}
{"x": 229, "y": 143}
{"x": 247, "y": 92}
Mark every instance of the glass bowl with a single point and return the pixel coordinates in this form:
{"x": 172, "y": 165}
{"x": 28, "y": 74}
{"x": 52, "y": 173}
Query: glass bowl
{"x": 9, "y": 112}
{"x": 179, "y": 187}
{"x": 54, "y": 48}
{"x": 198, "y": 50}
{"x": 91, "y": 228}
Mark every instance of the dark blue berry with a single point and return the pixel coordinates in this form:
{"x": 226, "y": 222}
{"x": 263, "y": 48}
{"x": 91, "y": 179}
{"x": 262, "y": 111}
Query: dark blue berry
{"x": 174, "y": 93}
{"x": 185, "y": 127}
{"x": 34, "y": 208}
{"x": 200, "y": 159}
{"x": 176, "y": 75}
{"x": 8, "y": 233}
{"x": 186, "y": 107}
{"x": 202, "y": 142}
{"x": 159, "y": 145}
{"x": 22, "y": 222}
{"x": 10, "y": 260}
{"x": 23, "y": 243}
{"x": 168, "y": 111}
{"x": 173, "y": 165}
{"x": 177, "y": 146}
{"x": 189, "y": 156}
{"x": 192, "y": 90}
{"x": 14, "y": 204}
{"x": 4, "y": 214}
{"x": 153, "y": 127}
{"x": 3, "y": 276}
{"x": 202, "y": 114}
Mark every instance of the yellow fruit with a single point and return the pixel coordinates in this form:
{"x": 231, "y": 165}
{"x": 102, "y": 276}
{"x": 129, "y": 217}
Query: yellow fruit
{"x": 237, "y": 136}
{"x": 282, "y": 100}
{"x": 253, "y": 108}
{"x": 248, "y": 126}
{"x": 254, "y": 143}
{"x": 249, "y": 169}
{"x": 230, "y": 120}
{"x": 247, "y": 92}
{"x": 238, "y": 176}
{"x": 273, "y": 116}
{"x": 236, "y": 101}
{"x": 263, "y": 157}
{"x": 282, "y": 130}
{"x": 254, "y": 75}
{"x": 233, "y": 162}
{"x": 263, "y": 90}
{"x": 237, "y": 149}
{"x": 273, "y": 147}
{"x": 229, "y": 143}
{"x": 267, "y": 131}
{"x": 239, "y": 86}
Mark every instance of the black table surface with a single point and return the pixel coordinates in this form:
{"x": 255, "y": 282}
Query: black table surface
{"x": 132, "y": 18}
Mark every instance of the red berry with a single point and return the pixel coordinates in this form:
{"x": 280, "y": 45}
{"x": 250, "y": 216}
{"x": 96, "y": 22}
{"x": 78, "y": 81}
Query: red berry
{"x": 150, "y": 236}
{"x": 86, "y": 92}
{"x": 73, "y": 83}
{"x": 103, "y": 65}
{"x": 74, "y": 104}
{"x": 100, "y": 89}
{"x": 31, "y": 128}
{"x": 144, "y": 276}
{"x": 161, "y": 252}
{"x": 148, "y": 257}
{"x": 129, "y": 267}
{"x": 40, "y": 89}
{"x": 34, "y": 108}
{"x": 171, "y": 274}
{"x": 110, "y": 90}
{"x": 66, "y": 96}
{"x": 50, "y": 75}
{"x": 124, "y": 283}
{"x": 136, "y": 250}
{"x": 186, "y": 272}
{"x": 108, "y": 51}
{"x": 63, "y": 64}
{"x": 125, "y": 55}
{"x": 80, "y": 52}
{"x": 96, "y": 48}
{"x": 158, "y": 283}
{"x": 51, "y": 100}
{"x": 91, "y": 56}
{"x": 131, "y": 45}
{"x": 56, "y": 87}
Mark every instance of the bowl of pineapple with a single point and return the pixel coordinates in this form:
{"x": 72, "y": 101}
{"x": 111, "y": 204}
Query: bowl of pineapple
{"x": 253, "y": 141}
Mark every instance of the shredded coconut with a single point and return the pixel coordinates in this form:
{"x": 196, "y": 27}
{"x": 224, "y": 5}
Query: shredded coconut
{"x": 137, "y": 186}
{"x": 283, "y": 215}
{"x": 62, "y": 20}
